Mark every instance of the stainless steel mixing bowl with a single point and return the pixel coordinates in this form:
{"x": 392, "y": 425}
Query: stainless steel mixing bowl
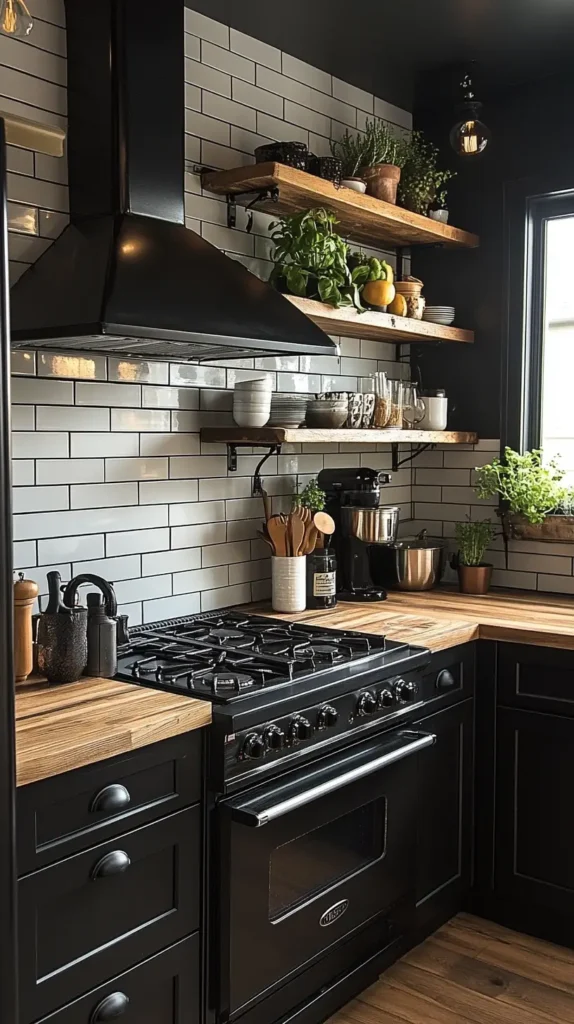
{"x": 371, "y": 525}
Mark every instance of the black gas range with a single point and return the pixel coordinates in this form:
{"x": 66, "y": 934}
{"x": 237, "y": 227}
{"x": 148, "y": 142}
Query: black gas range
{"x": 281, "y": 691}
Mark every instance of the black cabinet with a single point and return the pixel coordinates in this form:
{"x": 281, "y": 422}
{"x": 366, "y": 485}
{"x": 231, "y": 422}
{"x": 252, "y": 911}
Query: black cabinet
{"x": 534, "y": 830}
{"x": 445, "y": 814}
{"x": 161, "y": 990}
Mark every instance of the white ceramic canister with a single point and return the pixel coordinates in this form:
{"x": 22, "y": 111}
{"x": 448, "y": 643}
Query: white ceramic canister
{"x": 436, "y": 411}
{"x": 288, "y": 583}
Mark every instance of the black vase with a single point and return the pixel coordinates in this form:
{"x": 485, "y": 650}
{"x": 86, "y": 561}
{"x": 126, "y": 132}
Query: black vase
{"x": 63, "y": 645}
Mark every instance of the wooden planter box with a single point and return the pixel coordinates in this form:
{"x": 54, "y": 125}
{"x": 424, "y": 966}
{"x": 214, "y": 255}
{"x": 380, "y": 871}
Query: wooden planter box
{"x": 554, "y": 529}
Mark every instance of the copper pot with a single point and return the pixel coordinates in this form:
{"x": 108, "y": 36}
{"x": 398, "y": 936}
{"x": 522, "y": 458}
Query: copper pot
{"x": 382, "y": 181}
{"x": 474, "y": 579}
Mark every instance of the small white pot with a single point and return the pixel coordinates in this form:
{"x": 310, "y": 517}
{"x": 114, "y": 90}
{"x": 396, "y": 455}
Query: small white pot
{"x": 441, "y": 215}
{"x": 288, "y": 584}
{"x": 250, "y": 417}
{"x": 435, "y": 417}
{"x": 357, "y": 184}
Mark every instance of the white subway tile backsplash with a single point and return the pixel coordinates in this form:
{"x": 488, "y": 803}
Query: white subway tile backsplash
{"x": 205, "y": 77}
{"x": 136, "y": 541}
{"x": 283, "y": 86}
{"x": 32, "y": 446}
{"x": 42, "y": 392}
{"x": 350, "y": 94}
{"x": 126, "y": 567}
{"x": 171, "y": 561}
{"x": 24, "y": 554}
{"x": 49, "y": 417}
{"x": 136, "y": 469}
{"x": 212, "y": 599}
{"x": 39, "y": 499}
{"x": 227, "y": 487}
{"x": 69, "y": 471}
{"x": 22, "y": 363}
{"x": 192, "y": 46}
{"x": 196, "y": 376}
{"x": 139, "y": 420}
{"x": 256, "y": 97}
{"x": 102, "y": 495}
{"x": 23, "y": 417}
{"x": 310, "y": 119}
{"x": 206, "y": 28}
{"x": 197, "y": 468}
{"x": 210, "y": 128}
{"x": 141, "y": 371}
{"x": 200, "y": 579}
{"x": 167, "y": 491}
{"x": 198, "y": 535}
{"x": 305, "y": 73}
{"x": 225, "y": 554}
{"x": 277, "y": 129}
{"x": 254, "y": 49}
{"x": 55, "y": 364}
{"x": 230, "y": 111}
{"x": 225, "y": 60}
{"x": 171, "y": 607}
{"x": 169, "y": 444}
{"x": 143, "y": 589}
{"x": 67, "y": 549}
{"x": 87, "y": 445}
{"x": 126, "y": 395}
{"x": 189, "y": 513}
{"x": 23, "y": 472}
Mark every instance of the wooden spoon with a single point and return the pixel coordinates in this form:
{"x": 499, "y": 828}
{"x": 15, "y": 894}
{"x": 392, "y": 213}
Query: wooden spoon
{"x": 297, "y": 530}
{"x": 310, "y": 539}
{"x": 276, "y": 527}
{"x": 324, "y": 523}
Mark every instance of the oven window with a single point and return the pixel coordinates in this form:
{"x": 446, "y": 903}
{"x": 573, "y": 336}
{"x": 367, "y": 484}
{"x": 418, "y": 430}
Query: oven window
{"x": 313, "y": 862}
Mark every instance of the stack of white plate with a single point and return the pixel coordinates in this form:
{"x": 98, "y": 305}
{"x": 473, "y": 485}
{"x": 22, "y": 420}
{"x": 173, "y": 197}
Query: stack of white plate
{"x": 288, "y": 410}
{"x": 439, "y": 315}
{"x": 252, "y": 402}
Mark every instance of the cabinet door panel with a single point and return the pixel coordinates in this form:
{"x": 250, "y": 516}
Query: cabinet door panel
{"x": 534, "y": 834}
{"x": 444, "y": 815}
{"x": 162, "y": 990}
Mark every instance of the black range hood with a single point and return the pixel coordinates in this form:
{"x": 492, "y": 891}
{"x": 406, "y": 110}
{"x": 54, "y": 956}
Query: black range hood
{"x": 126, "y": 276}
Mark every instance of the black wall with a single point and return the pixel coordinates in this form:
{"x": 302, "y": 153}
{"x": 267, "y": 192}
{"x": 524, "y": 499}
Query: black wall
{"x": 531, "y": 138}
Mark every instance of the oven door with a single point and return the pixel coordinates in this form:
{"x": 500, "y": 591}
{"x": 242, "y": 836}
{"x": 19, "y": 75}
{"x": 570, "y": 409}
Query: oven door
{"x": 307, "y": 860}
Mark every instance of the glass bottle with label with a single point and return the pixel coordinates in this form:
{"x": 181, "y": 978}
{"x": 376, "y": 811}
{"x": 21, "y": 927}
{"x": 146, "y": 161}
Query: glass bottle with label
{"x": 321, "y": 579}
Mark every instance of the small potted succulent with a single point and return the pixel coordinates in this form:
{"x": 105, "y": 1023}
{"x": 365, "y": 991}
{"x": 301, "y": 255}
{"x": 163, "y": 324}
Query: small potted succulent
{"x": 384, "y": 155}
{"x": 350, "y": 150}
{"x": 422, "y": 181}
{"x": 473, "y": 538}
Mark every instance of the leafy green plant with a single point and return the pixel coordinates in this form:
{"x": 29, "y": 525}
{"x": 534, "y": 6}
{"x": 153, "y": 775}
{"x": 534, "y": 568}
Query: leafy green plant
{"x": 350, "y": 150}
{"x": 527, "y": 487}
{"x": 311, "y": 497}
{"x": 422, "y": 182}
{"x": 310, "y": 259}
{"x": 473, "y": 539}
{"x": 368, "y": 268}
{"x": 382, "y": 146}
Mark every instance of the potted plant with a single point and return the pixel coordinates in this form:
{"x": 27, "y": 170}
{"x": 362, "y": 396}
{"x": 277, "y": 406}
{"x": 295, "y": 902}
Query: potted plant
{"x": 375, "y": 280}
{"x": 422, "y": 182}
{"x": 310, "y": 259}
{"x": 350, "y": 150}
{"x": 536, "y": 504}
{"x": 311, "y": 497}
{"x": 383, "y": 157}
{"x": 473, "y": 539}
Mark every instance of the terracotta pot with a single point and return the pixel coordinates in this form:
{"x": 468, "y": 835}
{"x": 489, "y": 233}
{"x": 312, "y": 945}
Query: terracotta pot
{"x": 382, "y": 181}
{"x": 554, "y": 529}
{"x": 474, "y": 579}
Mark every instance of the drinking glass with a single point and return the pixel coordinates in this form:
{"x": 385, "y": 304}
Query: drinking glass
{"x": 396, "y": 403}
{"x": 413, "y": 406}
{"x": 382, "y": 401}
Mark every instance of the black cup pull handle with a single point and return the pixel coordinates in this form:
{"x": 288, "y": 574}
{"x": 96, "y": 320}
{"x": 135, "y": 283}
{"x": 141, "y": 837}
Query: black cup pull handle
{"x": 110, "y": 1008}
{"x": 445, "y": 680}
{"x": 114, "y": 863}
{"x": 110, "y": 799}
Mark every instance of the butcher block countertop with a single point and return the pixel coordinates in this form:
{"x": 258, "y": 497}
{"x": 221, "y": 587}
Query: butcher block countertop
{"x": 443, "y": 618}
{"x": 59, "y": 728}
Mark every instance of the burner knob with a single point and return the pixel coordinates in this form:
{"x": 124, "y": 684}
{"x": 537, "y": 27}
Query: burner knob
{"x": 386, "y": 699}
{"x": 405, "y": 692}
{"x": 327, "y": 717}
{"x": 367, "y": 704}
{"x": 254, "y": 746}
{"x": 300, "y": 729}
{"x": 274, "y": 737}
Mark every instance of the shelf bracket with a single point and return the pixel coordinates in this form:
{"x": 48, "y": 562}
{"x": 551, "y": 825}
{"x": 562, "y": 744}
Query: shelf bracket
{"x": 396, "y": 463}
{"x": 258, "y": 195}
{"x": 257, "y": 487}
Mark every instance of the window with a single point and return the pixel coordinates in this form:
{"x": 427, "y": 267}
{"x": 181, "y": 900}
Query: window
{"x": 540, "y": 353}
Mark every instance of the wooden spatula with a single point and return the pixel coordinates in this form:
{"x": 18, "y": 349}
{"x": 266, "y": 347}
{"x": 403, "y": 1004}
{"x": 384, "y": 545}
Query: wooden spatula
{"x": 277, "y": 530}
{"x": 297, "y": 531}
{"x": 324, "y": 523}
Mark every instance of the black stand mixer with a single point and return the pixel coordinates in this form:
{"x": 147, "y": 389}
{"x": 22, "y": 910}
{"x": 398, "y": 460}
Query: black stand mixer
{"x": 363, "y": 528}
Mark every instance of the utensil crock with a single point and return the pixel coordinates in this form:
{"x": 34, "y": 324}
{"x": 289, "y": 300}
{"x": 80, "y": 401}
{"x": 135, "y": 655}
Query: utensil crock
{"x": 288, "y": 584}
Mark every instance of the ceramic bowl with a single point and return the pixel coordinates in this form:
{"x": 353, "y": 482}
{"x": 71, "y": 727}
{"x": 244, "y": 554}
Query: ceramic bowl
{"x": 250, "y": 417}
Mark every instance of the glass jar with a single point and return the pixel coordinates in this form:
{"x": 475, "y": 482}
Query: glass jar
{"x": 321, "y": 579}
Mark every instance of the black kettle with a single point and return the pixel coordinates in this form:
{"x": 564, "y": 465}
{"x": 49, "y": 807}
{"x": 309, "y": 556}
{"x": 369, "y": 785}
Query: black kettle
{"x": 105, "y": 629}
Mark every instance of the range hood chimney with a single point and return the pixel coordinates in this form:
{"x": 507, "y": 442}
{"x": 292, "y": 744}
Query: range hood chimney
{"x": 126, "y": 275}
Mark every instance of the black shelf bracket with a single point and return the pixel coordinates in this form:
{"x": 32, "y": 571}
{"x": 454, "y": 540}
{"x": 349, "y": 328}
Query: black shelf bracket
{"x": 396, "y": 463}
{"x": 232, "y": 446}
{"x": 258, "y": 195}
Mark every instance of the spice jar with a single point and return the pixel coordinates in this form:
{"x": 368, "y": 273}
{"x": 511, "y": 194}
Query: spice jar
{"x": 321, "y": 579}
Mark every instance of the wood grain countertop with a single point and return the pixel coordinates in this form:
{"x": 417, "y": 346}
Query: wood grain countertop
{"x": 59, "y": 728}
{"x": 443, "y": 618}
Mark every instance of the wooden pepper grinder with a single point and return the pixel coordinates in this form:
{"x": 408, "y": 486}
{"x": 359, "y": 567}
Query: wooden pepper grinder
{"x": 25, "y": 593}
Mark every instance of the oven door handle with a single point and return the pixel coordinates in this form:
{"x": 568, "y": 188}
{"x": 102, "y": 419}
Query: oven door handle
{"x": 415, "y": 741}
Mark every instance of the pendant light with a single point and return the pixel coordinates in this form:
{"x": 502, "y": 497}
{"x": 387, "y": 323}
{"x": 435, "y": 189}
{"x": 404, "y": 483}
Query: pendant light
{"x": 469, "y": 136}
{"x": 15, "y": 19}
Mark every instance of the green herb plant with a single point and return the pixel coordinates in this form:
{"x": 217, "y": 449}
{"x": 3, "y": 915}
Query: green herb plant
{"x": 350, "y": 150}
{"x": 311, "y": 497}
{"x": 526, "y": 486}
{"x": 422, "y": 181}
{"x": 310, "y": 259}
{"x": 377, "y": 145}
{"x": 368, "y": 268}
{"x": 473, "y": 538}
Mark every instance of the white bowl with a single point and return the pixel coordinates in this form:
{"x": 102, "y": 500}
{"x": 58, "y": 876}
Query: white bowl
{"x": 257, "y": 384}
{"x": 356, "y": 184}
{"x": 250, "y": 418}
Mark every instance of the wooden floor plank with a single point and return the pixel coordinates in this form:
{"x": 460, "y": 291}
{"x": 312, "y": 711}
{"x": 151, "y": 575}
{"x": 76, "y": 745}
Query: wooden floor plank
{"x": 471, "y": 972}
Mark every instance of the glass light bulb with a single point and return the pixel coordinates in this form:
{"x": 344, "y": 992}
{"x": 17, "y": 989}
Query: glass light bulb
{"x": 15, "y": 19}
{"x": 469, "y": 137}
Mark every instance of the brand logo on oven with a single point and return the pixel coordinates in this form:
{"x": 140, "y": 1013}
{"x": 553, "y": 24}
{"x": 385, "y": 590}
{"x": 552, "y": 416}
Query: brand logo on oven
{"x": 333, "y": 913}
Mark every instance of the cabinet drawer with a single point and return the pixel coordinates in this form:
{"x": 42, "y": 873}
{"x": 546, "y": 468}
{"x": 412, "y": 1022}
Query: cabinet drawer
{"x": 536, "y": 678}
{"x": 162, "y": 990}
{"x": 99, "y": 912}
{"x": 62, "y": 815}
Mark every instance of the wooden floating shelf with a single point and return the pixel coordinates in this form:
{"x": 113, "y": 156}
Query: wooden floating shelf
{"x": 376, "y": 326}
{"x": 265, "y": 436}
{"x": 363, "y": 218}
